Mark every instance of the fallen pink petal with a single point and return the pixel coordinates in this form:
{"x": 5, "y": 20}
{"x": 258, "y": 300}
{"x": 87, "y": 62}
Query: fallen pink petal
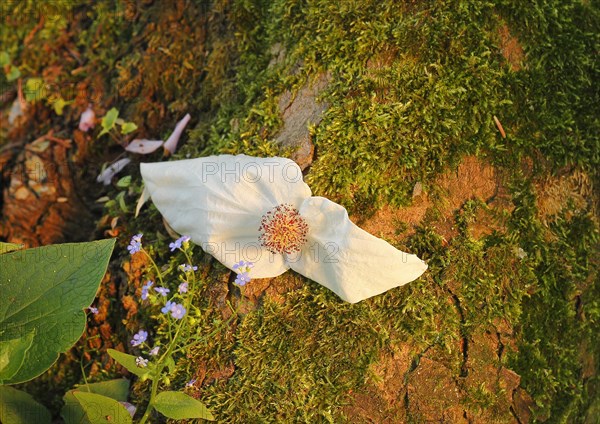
{"x": 106, "y": 176}
{"x": 87, "y": 120}
{"x": 143, "y": 146}
{"x": 171, "y": 143}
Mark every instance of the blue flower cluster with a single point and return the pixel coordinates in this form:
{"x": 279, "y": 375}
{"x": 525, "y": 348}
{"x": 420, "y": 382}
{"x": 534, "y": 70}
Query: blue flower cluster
{"x": 243, "y": 269}
{"x": 145, "y": 289}
{"x": 177, "y": 243}
{"x": 135, "y": 245}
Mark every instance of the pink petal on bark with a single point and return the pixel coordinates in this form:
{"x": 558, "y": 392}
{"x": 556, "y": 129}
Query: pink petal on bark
{"x": 143, "y": 146}
{"x": 171, "y": 143}
{"x": 87, "y": 119}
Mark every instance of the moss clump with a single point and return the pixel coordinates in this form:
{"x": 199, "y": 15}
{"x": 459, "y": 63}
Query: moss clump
{"x": 413, "y": 87}
{"x": 559, "y": 317}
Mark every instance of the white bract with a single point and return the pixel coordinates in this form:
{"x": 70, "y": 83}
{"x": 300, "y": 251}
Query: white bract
{"x": 260, "y": 210}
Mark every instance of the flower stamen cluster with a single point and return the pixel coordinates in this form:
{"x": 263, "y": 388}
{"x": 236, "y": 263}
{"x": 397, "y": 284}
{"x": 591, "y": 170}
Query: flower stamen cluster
{"x": 283, "y": 230}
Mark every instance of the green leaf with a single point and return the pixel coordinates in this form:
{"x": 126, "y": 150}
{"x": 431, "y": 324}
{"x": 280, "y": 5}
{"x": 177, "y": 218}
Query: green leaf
{"x": 44, "y": 291}
{"x": 17, "y": 407}
{"x": 13, "y": 73}
{"x": 9, "y": 247}
{"x": 102, "y": 409}
{"x": 12, "y": 354}
{"x": 179, "y": 406}
{"x": 73, "y": 412}
{"x": 128, "y": 361}
{"x": 35, "y": 90}
{"x": 128, "y": 127}
{"x": 4, "y": 59}
{"x": 108, "y": 121}
{"x": 120, "y": 198}
{"x": 170, "y": 364}
{"x": 59, "y": 105}
{"x": 124, "y": 182}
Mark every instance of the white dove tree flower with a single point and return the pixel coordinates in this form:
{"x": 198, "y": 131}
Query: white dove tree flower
{"x": 260, "y": 210}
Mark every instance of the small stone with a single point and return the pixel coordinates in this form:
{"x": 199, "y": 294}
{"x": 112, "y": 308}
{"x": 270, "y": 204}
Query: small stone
{"x": 277, "y": 54}
{"x": 521, "y": 254}
{"x": 417, "y": 189}
{"x": 15, "y": 112}
{"x": 299, "y": 113}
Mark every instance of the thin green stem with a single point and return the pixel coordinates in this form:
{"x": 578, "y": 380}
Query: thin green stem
{"x": 83, "y": 374}
{"x": 208, "y": 336}
{"x": 158, "y": 273}
{"x": 167, "y": 354}
{"x": 159, "y": 370}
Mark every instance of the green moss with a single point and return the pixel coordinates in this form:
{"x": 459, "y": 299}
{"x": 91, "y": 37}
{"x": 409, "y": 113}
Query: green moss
{"x": 413, "y": 88}
{"x": 554, "y": 327}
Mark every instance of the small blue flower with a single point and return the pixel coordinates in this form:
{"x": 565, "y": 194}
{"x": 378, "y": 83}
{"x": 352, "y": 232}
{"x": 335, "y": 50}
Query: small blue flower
{"x": 139, "y": 338}
{"x": 177, "y": 311}
{"x": 135, "y": 245}
{"x": 145, "y": 289}
{"x": 141, "y": 362}
{"x": 177, "y": 243}
{"x": 240, "y": 264}
{"x": 154, "y": 351}
{"x": 163, "y": 291}
{"x": 242, "y": 279}
{"x": 190, "y": 383}
{"x": 183, "y": 287}
{"x": 167, "y": 308}
{"x": 187, "y": 268}
{"x": 93, "y": 310}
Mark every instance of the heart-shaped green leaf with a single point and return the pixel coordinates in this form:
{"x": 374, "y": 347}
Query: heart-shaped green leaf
{"x": 44, "y": 291}
{"x": 9, "y": 247}
{"x": 102, "y": 409}
{"x": 128, "y": 127}
{"x": 12, "y": 354}
{"x": 108, "y": 121}
{"x": 17, "y": 407}
{"x": 4, "y": 59}
{"x": 179, "y": 406}
{"x": 35, "y": 90}
{"x": 13, "y": 73}
{"x": 73, "y": 412}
